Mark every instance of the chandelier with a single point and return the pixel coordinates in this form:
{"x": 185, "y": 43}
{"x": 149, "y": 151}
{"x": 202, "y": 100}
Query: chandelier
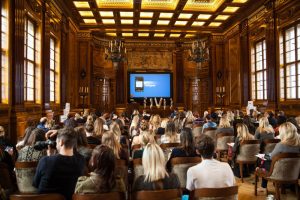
{"x": 199, "y": 52}
{"x": 115, "y": 52}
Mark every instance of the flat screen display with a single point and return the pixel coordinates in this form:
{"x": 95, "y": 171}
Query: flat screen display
{"x": 143, "y": 85}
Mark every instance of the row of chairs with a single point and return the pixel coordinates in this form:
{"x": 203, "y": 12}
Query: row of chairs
{"x": 173, "y": 194}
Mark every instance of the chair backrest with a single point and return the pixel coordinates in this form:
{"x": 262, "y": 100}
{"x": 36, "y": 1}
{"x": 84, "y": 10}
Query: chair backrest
{"x": 138, "y": 169}
{"x": 122, "y": 170}
{"x": 37, "y": 197}
{"x": 25, "y": 172}
{"x": 285, "y": 167}
{"x": 169, "y": 145}
{"x": 223, "y": 139}
{"x": 6, "y": 181}
{"x": 104, "y": 196}
{"x": 247, "y": 151}
{"x": 180, "y": 165}
{"x": 174, "y": 194}
{"x": 268, "y": 145}
{"x": 226, "y": 193}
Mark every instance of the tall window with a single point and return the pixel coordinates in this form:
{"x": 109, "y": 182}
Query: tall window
{"x": 4, "y": 53}
{"x": 290, "y": 63}
{"x": 54, "y": 71}
{"x": 259, "y": 70}
{"x": 30, "y": 61}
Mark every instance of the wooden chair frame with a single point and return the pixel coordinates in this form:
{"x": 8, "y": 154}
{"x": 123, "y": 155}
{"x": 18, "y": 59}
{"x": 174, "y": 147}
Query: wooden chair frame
{"x": 220, "y": 151}
{"x": 278, "y": 183}
{"x": 241, "y": 163}
{"x": 169, "y": 145}
{"x": 269, "y": 141}
{"x": 157, "y": 194}
{"x": 104, "y": 196}
{"x": 214, "y": 192}
{"x": 52, "y": 196}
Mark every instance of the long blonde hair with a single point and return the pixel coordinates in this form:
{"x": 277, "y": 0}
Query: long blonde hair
{"x": 224, "y": 122}
{"x": 98, "y": 127}
{"x": 243, "y": 132}
{"x": 115, "y": 128}
{"x": 154, "y": 163}
{"x": 264, "y": 126}
{"x": 109, "y": 139}
{"x": 134, "y": 123}
{"x": 155, "y": 123}
{"x": 288, "y": 134}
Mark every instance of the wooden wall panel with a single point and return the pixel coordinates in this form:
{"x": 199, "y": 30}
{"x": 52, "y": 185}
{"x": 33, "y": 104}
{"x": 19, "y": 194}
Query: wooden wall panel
{"x": 234, "y": 70}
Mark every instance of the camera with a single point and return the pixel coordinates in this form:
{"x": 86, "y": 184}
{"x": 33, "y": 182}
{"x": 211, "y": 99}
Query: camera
{"x": 44, "y": 145}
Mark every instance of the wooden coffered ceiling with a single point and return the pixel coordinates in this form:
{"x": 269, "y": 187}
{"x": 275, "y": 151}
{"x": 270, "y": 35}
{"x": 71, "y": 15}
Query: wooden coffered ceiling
{"x": 174, "y": 19}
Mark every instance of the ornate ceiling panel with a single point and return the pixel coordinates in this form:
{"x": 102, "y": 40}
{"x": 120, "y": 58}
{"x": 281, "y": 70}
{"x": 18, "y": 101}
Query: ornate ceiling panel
{"x": 156, "y": 18}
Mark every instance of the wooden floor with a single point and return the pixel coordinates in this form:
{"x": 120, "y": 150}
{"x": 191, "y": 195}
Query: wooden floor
{"x": 246, "y": 191}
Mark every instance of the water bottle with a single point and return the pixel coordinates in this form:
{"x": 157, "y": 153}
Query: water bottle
{"x": 270, "y": 197}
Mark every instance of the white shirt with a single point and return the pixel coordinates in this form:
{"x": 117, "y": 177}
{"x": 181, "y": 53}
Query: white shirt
{"x": 210, "y": 173}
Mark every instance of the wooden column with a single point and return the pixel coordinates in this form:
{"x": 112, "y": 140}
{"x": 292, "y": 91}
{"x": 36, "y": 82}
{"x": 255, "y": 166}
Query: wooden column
{"x": 244, "y": 64}
{"x": 179, "y": 75}
{"x": 120, "y": 84}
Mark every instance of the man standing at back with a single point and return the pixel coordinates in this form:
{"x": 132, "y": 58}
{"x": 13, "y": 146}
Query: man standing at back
{"x": 210, "y": 173}
{"x": 59, "y": 173}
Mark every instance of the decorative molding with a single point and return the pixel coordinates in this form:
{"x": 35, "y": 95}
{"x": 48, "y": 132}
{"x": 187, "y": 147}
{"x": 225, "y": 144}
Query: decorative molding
{"x": 86, "y": 35}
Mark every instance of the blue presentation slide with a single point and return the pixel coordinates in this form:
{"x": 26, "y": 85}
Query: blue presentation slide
{"x": 150, "y": 85}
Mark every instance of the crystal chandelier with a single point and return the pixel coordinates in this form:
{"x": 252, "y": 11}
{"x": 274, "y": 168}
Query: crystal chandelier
{"x": 199, "y": 52}
{"x": 116, "y": 52}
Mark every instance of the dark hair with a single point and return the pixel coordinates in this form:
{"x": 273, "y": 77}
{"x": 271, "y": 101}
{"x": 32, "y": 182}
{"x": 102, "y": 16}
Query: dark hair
{"x": 68, "y": 136}
{"x": 89, "y": 128}
{"x": 206, "y": 146}
{"x": 208, "y": 117}
{"x": 281, "y": 119}
{"x": 170, "y": 127}
{"x": 70, "y": 123}
{"x": 36, "y": 136}
{"x": 81, "y": 137}
{"x": 28, "y": 132}
{"x": 186, "y": 140}
{"x": 103, "y": 164}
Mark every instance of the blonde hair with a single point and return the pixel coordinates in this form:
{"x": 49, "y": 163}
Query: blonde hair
{"x": 298, "y": 120}
{"x": 243, "y": 132}
{"x": 155, "y": 123}
{"x": 109, "y": 139}
{"x": 98, "y": 127}
{"x": 189, "y": 117}
{"x": 264, "y": 126}
{"x": 224, "y": 123}
{"x": 134, "y": 123}
{"x": 164, "y": 123}
{"x": 288, "y": 134}
{"x": 170, "y": 131}
{"x": 146, "y": 137}
{"x": 115, "y": 128}
{"x": 154, "y": 163}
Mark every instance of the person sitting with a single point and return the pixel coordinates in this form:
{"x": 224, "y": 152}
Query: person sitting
{"x": 189, "y": 119}
{"x": 242, "y": 135}
{"x": 42, "y": 124}
{"x": 28, "y": 153}
{"x": 210, "y": 173}
{"x": 82, "y": 144}
{"x": 170, "y": 135}
{"x": 89, "y": 131}
{"x": 59, "y": 173}
{"x": 145, "y": 137}
{"x": 99, "y": 127}
{"x": 247, "y": 121}
{"x": 264, "y": 130}
{"x": 186, "y": 148}
{"x": 7, "y": 146}
{"x": 155, "y": 175}
{"x": 109, "y": 139}
{"x": 290, "y": 143}
{"x": 103, "y": 178}
{"x": 294, "y": 122}
{"x": 209, "y": 123}
{"x": 224, "y": 126}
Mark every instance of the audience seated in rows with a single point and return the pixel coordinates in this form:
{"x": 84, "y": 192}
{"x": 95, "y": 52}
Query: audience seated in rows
{"x": 102, "y": 179}
{"x": 155, "y": 175}
{"x": 224, "y": 126}
{"x": 209, "y": 123}
{"x": 264, "y": 131}
{"x": 210, "y": 173}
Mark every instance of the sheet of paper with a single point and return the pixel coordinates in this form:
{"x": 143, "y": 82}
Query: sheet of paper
{"x": 230, "y": 144}
{"x": 261, "y": 156}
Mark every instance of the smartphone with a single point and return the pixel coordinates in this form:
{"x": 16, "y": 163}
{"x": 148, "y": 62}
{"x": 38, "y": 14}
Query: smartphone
{"x": 139, "y": 84}
{"x": 185, "y": 197}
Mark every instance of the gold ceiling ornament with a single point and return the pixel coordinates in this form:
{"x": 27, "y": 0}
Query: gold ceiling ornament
{"x": 115, "y": 4}
{"x": 159, "y": 4}
{"x": 203, "y": 5}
